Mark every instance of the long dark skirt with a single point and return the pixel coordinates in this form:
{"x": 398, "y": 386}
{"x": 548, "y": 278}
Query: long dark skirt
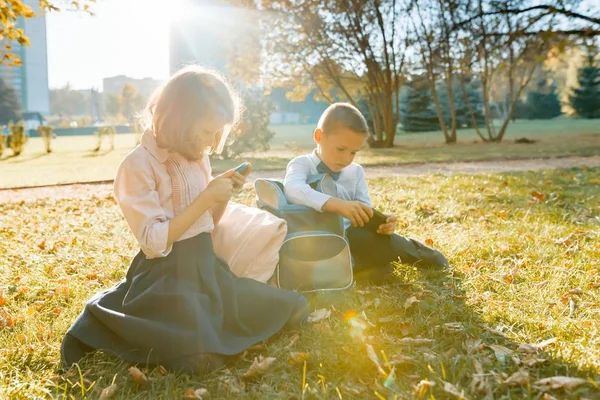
{"x": 178, "y": 309}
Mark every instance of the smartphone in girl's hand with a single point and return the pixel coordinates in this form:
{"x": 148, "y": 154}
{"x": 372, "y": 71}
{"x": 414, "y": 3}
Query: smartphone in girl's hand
{"x": 241, "y": 169}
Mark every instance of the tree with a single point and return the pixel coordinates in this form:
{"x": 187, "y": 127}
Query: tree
{"x": 418, "y": 110}
{"x": 543, "y": 103}
{"x": 350, "y": 50}
{"x": 10, "y": 107}
{"x": 11, "y": 11}
{"x": 585, "y": 100}
{"x": 68, "y": 102}
{"x": 131, "y": 102}
{"x": 252, "y": 133}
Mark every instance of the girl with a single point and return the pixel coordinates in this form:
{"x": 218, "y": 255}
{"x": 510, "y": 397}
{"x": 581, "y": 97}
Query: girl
{"x": 179, "y": 304}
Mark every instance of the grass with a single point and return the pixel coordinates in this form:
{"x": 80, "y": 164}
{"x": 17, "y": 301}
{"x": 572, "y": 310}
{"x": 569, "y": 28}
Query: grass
{"x": 524, "y": 249}
{"x": 73, "y": 160}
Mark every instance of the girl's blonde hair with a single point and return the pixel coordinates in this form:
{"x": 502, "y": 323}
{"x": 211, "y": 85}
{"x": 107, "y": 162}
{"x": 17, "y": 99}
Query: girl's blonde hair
{"x": 192, "y": 94}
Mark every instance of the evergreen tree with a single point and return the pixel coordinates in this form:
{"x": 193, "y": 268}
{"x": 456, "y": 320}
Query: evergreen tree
{"x": 585, "y": 100}
{"x": 417, "y": 109}
{"x": 10, "y": 107}
{"x": 543, "y": 103}
{"x": 463, "y": 114}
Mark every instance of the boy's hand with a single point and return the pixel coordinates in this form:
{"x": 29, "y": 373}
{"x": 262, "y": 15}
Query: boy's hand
{"x": 390, "y": 225}
{"x": 358, "y": 213}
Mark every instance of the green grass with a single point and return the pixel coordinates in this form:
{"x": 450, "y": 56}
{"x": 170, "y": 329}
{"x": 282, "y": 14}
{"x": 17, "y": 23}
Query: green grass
{"x": 73, "y": 161}
{"x": 524, "y": 249}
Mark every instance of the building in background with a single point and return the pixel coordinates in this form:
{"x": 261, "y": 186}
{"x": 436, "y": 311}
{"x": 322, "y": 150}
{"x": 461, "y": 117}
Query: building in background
{"x": 30, "y": 80}
{"x": 145, "y": 86}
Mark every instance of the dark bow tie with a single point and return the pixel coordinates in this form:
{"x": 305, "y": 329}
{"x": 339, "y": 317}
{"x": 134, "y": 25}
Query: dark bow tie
{"x": 324, "y": 169}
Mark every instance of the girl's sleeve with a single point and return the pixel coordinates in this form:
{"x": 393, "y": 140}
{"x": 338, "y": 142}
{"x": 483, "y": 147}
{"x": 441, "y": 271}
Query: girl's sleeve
{"x": 135, "y": 191}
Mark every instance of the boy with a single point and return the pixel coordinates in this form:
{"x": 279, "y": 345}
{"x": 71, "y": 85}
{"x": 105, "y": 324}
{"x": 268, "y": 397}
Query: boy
{"x": 341, "y": 132}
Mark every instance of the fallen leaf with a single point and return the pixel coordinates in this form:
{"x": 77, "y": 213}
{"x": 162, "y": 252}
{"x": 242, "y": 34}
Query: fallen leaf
{"x": 501, "y": 352}
{"x": 423, "y": 387}
{"x": 2, "y": 298}
{"x": 319, "y": 315}
{"x": 429, "y": 242}
{"x": 453, "y": 390}
{"x": 508, "y": 278}
{"x": 195, "y": 394}
{"x": 454, "y": 326}
{"x": 519, "y": 378}
{"x": 594, "y": 285}
{"x": 400, "y": 359}
{"x": 138, "y": 376}
{"x": 577, "y": 292}
{"x": 548, "y": 396}
{"x": 293, "y": 341}
{"x": 531, "y": 360}
{"x": 410, "y": 301}
{"x": 108, "y": 392}
{"x": 559, "y": 382}
{"x": 42, "y": 244}
{"x": 373, "y": 357}
{"x": 298, "y": 358}
{"x": 415, "y": 341}
{"x": 259, "y": 366}
{"x": 538, "y": 196}
{"x": 474, "y": 345}
{"x": 430, "y": 357}
{"x": 545, "y": 343}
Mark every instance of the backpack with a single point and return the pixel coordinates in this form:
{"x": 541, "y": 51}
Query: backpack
{"x": 315, "y": 254}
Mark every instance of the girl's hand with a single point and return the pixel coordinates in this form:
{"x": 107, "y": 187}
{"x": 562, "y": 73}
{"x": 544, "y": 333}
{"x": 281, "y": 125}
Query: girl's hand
{"x": 220, "y": 189}
{"x": 240, "y": 179}
{"x": 389, "y": 227}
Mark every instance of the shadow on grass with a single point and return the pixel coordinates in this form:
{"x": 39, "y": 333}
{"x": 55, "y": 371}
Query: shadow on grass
{"x": 421, "y": 332}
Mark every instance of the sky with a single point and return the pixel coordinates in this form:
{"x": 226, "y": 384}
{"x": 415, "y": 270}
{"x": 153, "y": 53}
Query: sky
{"x": 128, "y": 37}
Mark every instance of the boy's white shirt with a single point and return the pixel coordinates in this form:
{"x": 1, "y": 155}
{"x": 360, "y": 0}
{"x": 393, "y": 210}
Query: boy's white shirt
{"x": 351, "y": 184}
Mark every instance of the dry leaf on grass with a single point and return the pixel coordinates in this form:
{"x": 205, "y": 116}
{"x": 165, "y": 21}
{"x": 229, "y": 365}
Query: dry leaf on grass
{"x": 197, "y": 394}
{"x": 415, "y": 341}
{"x": 548, "y": 396}
{"x": 558, "y": 382}
{"x": 454, "y": 326}
{"x": 577, "y": 292}
{"x": 453, "y": 390}
{"x": 474, "y": 345}
{"x": 531, "y": 360}
{"x": 410, "y": 301}
{"x": 429, "y": 242}
{"x": 298, "y": 358}
{"x": 373, "y": 357}
{"x": 501, "y": 352}
{"x": 293, "y": 341}
{"x": 108, "y": 392}
{"x": 319, "y": 315}
{"x": 535, "y": 347}
{"x": 422, "y": 388}
{"x": 138, "y": 376}
{"x": 400, "y": 359}
{"x": 538, "y": 196}
{"x": 519, "y": 378}
{"x": 259, "y": 366}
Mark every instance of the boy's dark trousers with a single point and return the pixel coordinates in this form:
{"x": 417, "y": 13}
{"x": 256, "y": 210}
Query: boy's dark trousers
{"x": 375, "y": 253}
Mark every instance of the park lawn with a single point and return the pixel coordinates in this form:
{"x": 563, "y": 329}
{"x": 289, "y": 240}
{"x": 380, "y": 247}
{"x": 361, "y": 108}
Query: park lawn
{"x": 74, "y": 161}
{"x": 524, "y": 249}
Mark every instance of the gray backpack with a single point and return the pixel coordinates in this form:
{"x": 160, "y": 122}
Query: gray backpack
{"x": 315, "y": 254}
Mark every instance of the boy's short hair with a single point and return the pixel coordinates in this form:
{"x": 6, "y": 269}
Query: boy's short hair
{"x": 344, "y": 114}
